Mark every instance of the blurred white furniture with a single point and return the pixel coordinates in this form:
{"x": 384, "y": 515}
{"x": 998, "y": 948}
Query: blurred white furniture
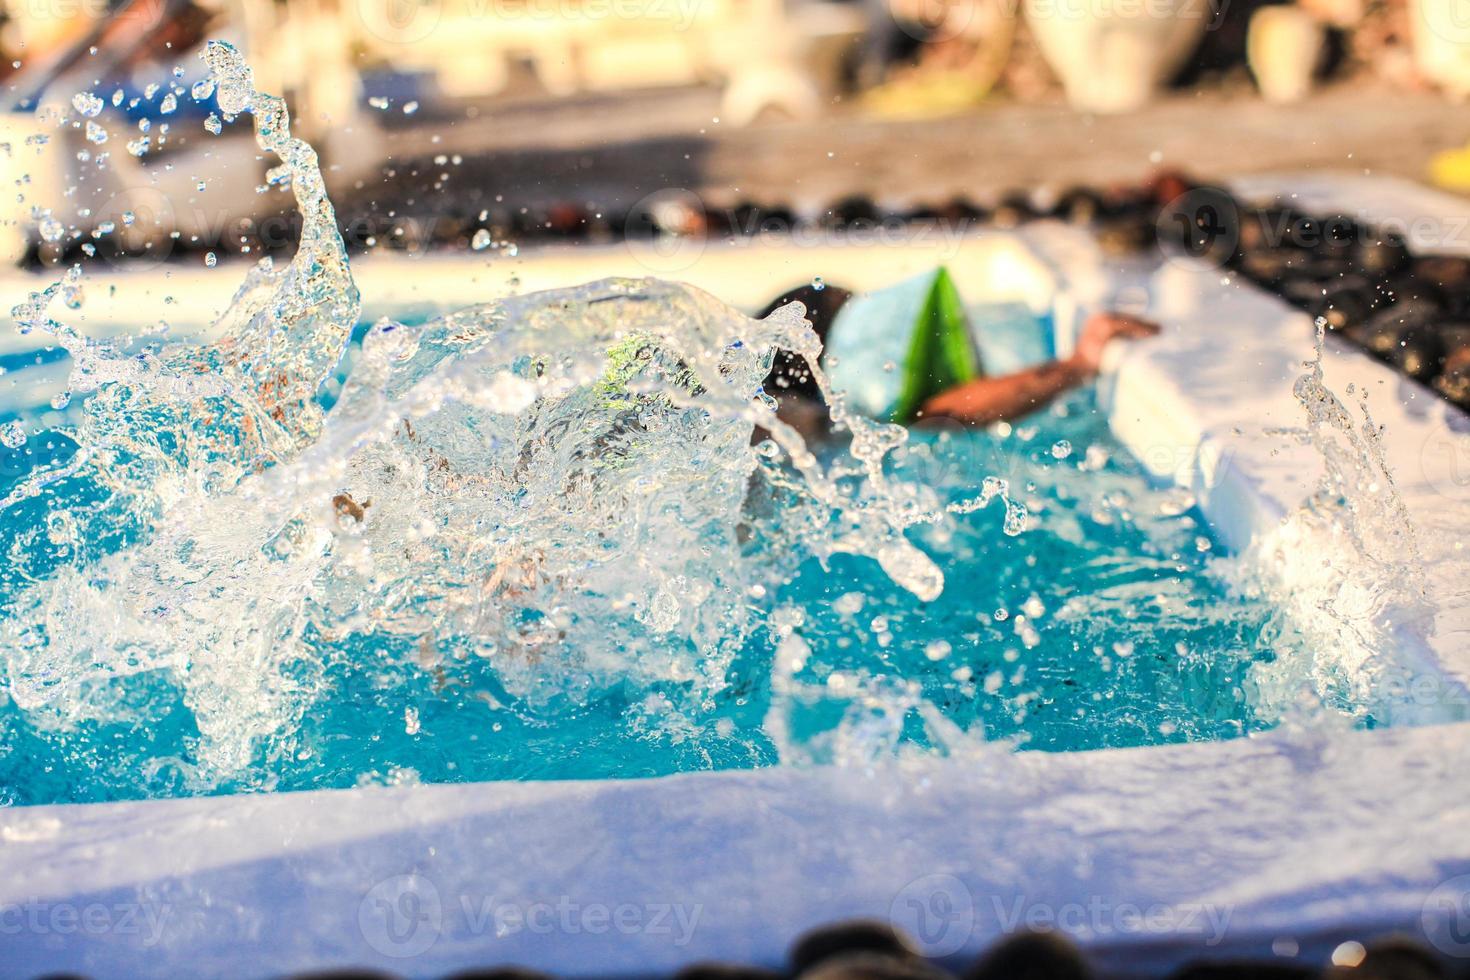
{"x": 1111, "y": 57}
{"x": 768, "y": 57}
{"x": 1284, "y": 46}
{"x": 1441, "y": 34}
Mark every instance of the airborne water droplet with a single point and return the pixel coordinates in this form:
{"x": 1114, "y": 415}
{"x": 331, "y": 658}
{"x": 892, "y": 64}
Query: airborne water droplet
{"x": 87, "y": 104}
{"x": 12, "y": 435}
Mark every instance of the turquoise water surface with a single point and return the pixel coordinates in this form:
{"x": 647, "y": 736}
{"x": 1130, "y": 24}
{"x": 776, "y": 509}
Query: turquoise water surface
{"x": 1100, "y": 625}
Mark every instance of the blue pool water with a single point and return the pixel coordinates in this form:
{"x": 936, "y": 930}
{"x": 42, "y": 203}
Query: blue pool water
{"x": 530, "y": 539}
{"x": 1100, "y": 625}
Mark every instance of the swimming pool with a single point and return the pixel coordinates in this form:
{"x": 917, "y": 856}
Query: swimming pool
{"x": 1205, "y": 827}
{"x": 1099, "y": 625}
{"x": 1282, "y": 844}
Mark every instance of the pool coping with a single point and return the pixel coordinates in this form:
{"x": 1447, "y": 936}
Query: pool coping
{"x": 1301, "y": 836}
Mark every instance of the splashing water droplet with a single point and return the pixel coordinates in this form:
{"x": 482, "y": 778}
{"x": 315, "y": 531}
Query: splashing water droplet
{"x": 481, "y": 241}
{"x": 12, "y": 435}
{"x": 210, "y": 260}
{"x": 1061, "y": 449}
{"x": 87, "y": 104}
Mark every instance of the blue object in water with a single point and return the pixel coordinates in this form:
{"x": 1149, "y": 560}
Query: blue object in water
{"x": 1010, "y": 337}
{"x": 894, "y": 348}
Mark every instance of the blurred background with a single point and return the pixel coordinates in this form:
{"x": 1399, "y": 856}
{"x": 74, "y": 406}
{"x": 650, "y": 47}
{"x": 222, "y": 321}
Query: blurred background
{"x": 497, "y": 124}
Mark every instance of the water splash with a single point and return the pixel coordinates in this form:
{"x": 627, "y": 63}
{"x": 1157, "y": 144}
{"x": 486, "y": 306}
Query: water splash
{"x": 550, "y": 483}
{"x": 1344, "y": 567}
